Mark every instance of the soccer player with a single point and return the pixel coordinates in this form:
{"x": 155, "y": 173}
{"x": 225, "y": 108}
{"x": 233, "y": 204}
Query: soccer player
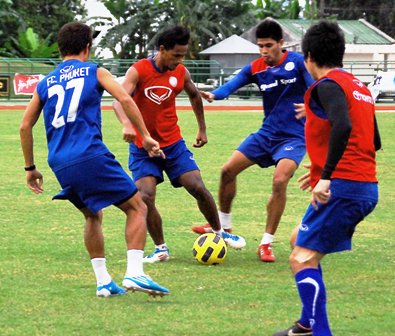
{"x": 91, "y": 178}
{"x": 341, "y": 138}
{"x": 283, "y": 79}
{"x": 154, "y": 83}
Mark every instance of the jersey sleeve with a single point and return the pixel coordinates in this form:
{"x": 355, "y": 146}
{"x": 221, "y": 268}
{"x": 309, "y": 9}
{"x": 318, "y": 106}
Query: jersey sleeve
{"x": 244, "y": 77}
{"x": 305, "y": 74}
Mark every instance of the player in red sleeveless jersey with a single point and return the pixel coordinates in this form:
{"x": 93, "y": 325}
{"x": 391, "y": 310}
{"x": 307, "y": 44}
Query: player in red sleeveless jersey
{"x": 154, "y": 84}
{"x": 341, "y": 140}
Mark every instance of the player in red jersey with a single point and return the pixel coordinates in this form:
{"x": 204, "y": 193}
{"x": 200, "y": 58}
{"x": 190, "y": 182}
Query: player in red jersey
{"x": 154, "y": 84}
{"x": 341, "y": 140}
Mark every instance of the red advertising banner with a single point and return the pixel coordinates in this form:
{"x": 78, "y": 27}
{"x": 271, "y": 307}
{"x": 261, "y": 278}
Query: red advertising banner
{"x": 26, "y": 84}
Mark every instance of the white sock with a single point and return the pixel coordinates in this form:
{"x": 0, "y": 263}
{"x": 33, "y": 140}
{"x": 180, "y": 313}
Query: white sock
{"x": 100, "y": 269}
{"x": 161, "y": 246}
{"x": 267, "y": 238}
{"x": 135, "y": 263}
{"x": 219, "y": 232}
{"x": 225, "y": 220}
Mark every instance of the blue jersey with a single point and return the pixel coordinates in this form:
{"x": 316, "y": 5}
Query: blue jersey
{"x": 71, "y": 97}
{"x": 281, "y": 86}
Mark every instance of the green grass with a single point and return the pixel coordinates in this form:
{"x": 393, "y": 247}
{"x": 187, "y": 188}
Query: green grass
{"x": 47, "y": 286}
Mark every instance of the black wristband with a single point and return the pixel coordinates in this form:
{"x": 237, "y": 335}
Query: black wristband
{"x": 30, "y": 168}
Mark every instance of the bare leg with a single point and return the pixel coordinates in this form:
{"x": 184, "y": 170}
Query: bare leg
{"x": 147, "y": 188}
{"x": 276, "y": 205}
{"x": 93, "y": 234}
{"x": 193, "y": 183}
{"x": 227, "y": 188}
{"x": 135, "y": 228}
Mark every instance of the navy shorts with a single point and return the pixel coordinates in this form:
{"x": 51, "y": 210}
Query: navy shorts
{"x": 95, "y": 183}
{"x": 330, "y": 228}
{"x": 179, "y": 160}
{"x": 266, "y": 152}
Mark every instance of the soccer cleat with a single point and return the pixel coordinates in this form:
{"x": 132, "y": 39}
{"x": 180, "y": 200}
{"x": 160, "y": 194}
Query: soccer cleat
{"x": 157, "y": 255}
{"x": 144, "y": 283}
{"x": 265, "y": 253}
{"x": 296, "y": 330}
{"x": 236, "y": 242}
{"x": 206, "y": 229}
{"x": 111, "y": 289}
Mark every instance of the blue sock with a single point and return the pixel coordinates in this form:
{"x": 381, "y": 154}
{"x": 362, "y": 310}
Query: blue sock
{"x": 313, "y": 296}
{"x": 304, "y": 319}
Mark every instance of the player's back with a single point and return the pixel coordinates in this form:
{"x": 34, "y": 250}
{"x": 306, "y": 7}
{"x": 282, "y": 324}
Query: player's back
{"x": 71, "y": 97}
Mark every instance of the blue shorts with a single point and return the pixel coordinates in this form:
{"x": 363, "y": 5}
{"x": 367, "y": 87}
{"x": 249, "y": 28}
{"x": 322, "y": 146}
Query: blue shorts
{"x": 266, "y": 152}
{"x": 179, "y": 160}
{"x": 95, "y": 183}
{"x": 330, "y": 228}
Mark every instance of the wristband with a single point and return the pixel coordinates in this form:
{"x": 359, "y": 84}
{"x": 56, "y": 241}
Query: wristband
{"x": 30, "y": 168}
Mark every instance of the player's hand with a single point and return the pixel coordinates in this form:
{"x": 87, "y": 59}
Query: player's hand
{"x": 153, "y": 148}
{"x": 321, "y": 193}
{"x": 129, "y": 134}
{"x": 300, "y": 111}
{"x": 34, "y": 180}
{"x": 207, "y": 95}
{"x": 304, "y": 180}
{"x": 201, "y": 139}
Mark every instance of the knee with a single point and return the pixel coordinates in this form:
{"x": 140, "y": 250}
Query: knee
{"x": 198, "y": 190}
{"x": 292, "y": 239}
{"x": 227, "y": 174}
{"x": 280, "y": 183}
{"x": 148, "y": 199}
{"x": 295, "y": 263}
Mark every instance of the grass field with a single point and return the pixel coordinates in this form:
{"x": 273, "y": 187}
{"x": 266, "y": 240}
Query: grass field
{"x": 47, "y": 286}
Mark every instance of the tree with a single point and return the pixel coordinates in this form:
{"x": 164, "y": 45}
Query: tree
{"x": 30, "y": 45}
{"x": 210, "y": 21}
{"x": 380, "y": 13}
{"x": 278, "y": 9}
{"x": 139, "y": 22}
{"x": 47, "y": 17}
{"x": 10, "y": 21}
{"x": 136, "y": 22}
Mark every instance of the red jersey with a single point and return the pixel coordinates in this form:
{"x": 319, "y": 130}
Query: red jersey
{"x": 358, "y": 160}
{"x": 155, "y": 96}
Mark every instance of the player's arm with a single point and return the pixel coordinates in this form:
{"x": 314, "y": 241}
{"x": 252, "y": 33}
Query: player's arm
{"x": 241, "y": 79}
{"x": 130, "y": 109}
{"x": 300, "y": 111}
{"x": 129, "y": 84}
{"x": 338, "y": 116}
{"x": 197, "y": 106}
{"x": 377, "y": 138}
{"x": 34, "y": 178}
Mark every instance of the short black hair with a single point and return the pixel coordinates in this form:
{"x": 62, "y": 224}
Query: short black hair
{"x": 324, "y": 42}
{"x": 73, "y": 38}
{"x": 172, "y": 36}
{"x": 269, "y": 28}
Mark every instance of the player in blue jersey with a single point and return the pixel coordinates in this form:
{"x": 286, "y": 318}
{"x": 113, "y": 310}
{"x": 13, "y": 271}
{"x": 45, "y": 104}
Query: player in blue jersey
{"x": 91, "y": 178}
{"x": 282, "y": 79}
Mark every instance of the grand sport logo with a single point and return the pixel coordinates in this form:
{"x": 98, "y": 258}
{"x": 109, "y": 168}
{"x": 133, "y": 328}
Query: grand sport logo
{"x": 360, "y": 96}
{"x": 158, "y": 94}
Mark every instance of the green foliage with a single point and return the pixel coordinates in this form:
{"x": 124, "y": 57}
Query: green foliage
{"x": 282, "y": 9}
{"x": 10, "y": 21}
{"x": 48, "y": 286}
{"x": 41, "y": 16}
{"x": 30, "y": 45}
{"x": 379, "y": 13}
{"x": 47, "y": 17}
{"x": 139, "y": 22}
